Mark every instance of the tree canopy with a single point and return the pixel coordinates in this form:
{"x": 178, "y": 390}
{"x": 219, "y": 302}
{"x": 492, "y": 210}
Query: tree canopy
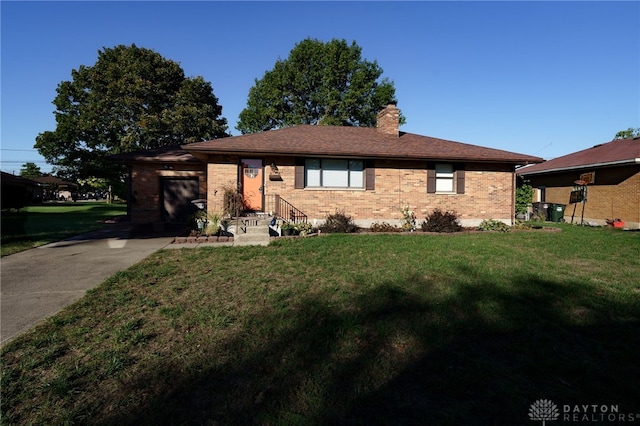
{"x": 630, "y": 133}
{"x": 30, "y": 170}
{"x": 130, "y": 99}
{"x": 319, "y": 83}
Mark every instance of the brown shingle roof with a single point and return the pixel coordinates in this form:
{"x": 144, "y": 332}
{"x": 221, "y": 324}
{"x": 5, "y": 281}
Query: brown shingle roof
{"x": 617, "y": 152}
{"x": 17, "y": 180}
{"x": 358, "y": 142}
{"x": 168, "y": 154}
{"x": 53, "y": 180}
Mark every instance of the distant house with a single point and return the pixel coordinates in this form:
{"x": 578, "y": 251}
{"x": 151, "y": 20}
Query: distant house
{"x": 57, "y": 189}
{"x": 312, "y": 171}
{"x": 611, "y": 172}
{"x": 18, "y": 192}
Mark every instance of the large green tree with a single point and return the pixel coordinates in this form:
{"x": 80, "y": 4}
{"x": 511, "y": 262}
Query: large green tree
{"x": 630, "y": 133}
{"x": 130, "y": 99}
{"x": 319, "y": 83}
{"x": 30, "y": 170}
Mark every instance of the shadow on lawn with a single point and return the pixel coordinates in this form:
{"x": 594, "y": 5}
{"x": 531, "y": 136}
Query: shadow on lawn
{"x": 480, "y": 356}
{"x": 52, "y": 225}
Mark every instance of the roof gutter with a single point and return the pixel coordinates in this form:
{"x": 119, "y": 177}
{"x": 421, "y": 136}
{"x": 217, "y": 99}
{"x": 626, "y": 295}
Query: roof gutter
{"x": 583, "y": 166}
{"x": 204, "y": 152}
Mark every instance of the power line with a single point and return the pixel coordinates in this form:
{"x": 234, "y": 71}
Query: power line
{"x": 544, "y": 147}
{"x": 23, "y": 161}
{"x": 20, "y": 150}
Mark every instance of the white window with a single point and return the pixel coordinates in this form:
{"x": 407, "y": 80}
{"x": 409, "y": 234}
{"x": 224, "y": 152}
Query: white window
{"x": 334, "y": 173}
{"x": 313, "y": 172}
{"x": 444, "y": 177}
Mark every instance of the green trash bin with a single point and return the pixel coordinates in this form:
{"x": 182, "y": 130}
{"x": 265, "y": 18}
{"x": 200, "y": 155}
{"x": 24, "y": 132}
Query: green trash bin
{"x": 556, "y": 212}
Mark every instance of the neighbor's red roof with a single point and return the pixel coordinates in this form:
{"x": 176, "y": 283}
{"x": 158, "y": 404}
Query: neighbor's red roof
{"x": 361, "y": 142}
{"x": 617, "y": 152}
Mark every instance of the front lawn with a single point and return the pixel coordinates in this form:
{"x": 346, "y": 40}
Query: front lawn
{"x": 343, "y": 329}
{"x": 37, "y": 225}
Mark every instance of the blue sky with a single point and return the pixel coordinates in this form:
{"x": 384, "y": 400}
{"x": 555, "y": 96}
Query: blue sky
{"x": 538, "y": 78}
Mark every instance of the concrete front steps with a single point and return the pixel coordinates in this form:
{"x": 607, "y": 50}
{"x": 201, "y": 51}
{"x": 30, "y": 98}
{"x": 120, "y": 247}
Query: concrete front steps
{"x": 252, "y": 231}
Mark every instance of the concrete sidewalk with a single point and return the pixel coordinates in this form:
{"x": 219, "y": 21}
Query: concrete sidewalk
{"x": 39, "y": 282}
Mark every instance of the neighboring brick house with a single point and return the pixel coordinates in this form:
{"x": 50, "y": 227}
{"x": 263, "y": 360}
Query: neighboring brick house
{"x": 57, "y": 189}
{"x": 612, "y": 171}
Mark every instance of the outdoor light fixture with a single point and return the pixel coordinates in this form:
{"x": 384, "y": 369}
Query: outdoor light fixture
{"x": 275, "y": 173}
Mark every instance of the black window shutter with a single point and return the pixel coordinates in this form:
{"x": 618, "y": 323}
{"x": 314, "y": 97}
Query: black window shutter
{"x": 460, "y": 179}
{"x": 370, "y": 176}
{"x": 431, "y": 180}
{"x": 299, "y": 174}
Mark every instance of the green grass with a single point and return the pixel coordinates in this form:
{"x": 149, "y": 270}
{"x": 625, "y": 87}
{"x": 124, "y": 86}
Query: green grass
{"x": 34, "y": 226}
{"x": 343, "y": 329}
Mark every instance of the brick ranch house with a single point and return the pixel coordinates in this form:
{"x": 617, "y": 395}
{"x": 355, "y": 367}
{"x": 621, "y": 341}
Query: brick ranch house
{"x": 368, "y": 173}
{"x": 612, "y": 174}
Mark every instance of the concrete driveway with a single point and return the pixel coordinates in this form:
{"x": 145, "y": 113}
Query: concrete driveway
{"x": 39, "y": 282}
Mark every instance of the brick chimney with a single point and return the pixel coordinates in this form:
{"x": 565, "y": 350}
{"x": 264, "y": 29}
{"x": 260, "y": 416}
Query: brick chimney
{"x": 388, "y": 120}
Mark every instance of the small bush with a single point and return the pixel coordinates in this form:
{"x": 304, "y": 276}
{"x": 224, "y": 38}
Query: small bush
{"x": 538, "y": 218}
{"x": 338, "y": 223}
{"x": 384, "y": 227}
{"x": 524, "y": 195}
{"x": 233, "y": 201}
{"x": 408, "y": 219}
{"x": 494, "y": 225}
{"x": 521, "y": 225}
{"x": 440, "y": 221}
{"x": 303, "y": 228}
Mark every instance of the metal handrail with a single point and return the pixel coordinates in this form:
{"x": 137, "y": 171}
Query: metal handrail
{"x": 287, "y": 211}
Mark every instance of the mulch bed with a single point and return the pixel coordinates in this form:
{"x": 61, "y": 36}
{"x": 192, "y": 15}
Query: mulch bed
{"x": 202, "y": 239}
{"x": 192, "y": 239}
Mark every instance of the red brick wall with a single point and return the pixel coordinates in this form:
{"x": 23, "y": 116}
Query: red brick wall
{"x": 145, "y": 187}
{"x": 388, "y": 120}
{"x": 220, "y": 175}
{"x": 614, "y": 194}
{"x": 488, "y": 192}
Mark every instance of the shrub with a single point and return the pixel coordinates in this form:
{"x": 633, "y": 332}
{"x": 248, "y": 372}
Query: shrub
{"x": 303, "y": 228}
{"x": 233, "y": 202}
{"x": 214, "y": 223}
{"x": 384, "y": 227}
{"x": 207, "y": 223}
{"x": 440, "y": 221}
{"x": 521, "y": 225}
{"x": 524, "y": 195}
{"x": 408, "y": 219}
{"x": 538, "y": 218}
{"x": 338, "y": 223}
{"x": 494, "y": 225}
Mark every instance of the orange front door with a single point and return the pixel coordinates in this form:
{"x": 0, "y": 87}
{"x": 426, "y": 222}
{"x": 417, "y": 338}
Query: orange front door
{"x": 252, "y": 184}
